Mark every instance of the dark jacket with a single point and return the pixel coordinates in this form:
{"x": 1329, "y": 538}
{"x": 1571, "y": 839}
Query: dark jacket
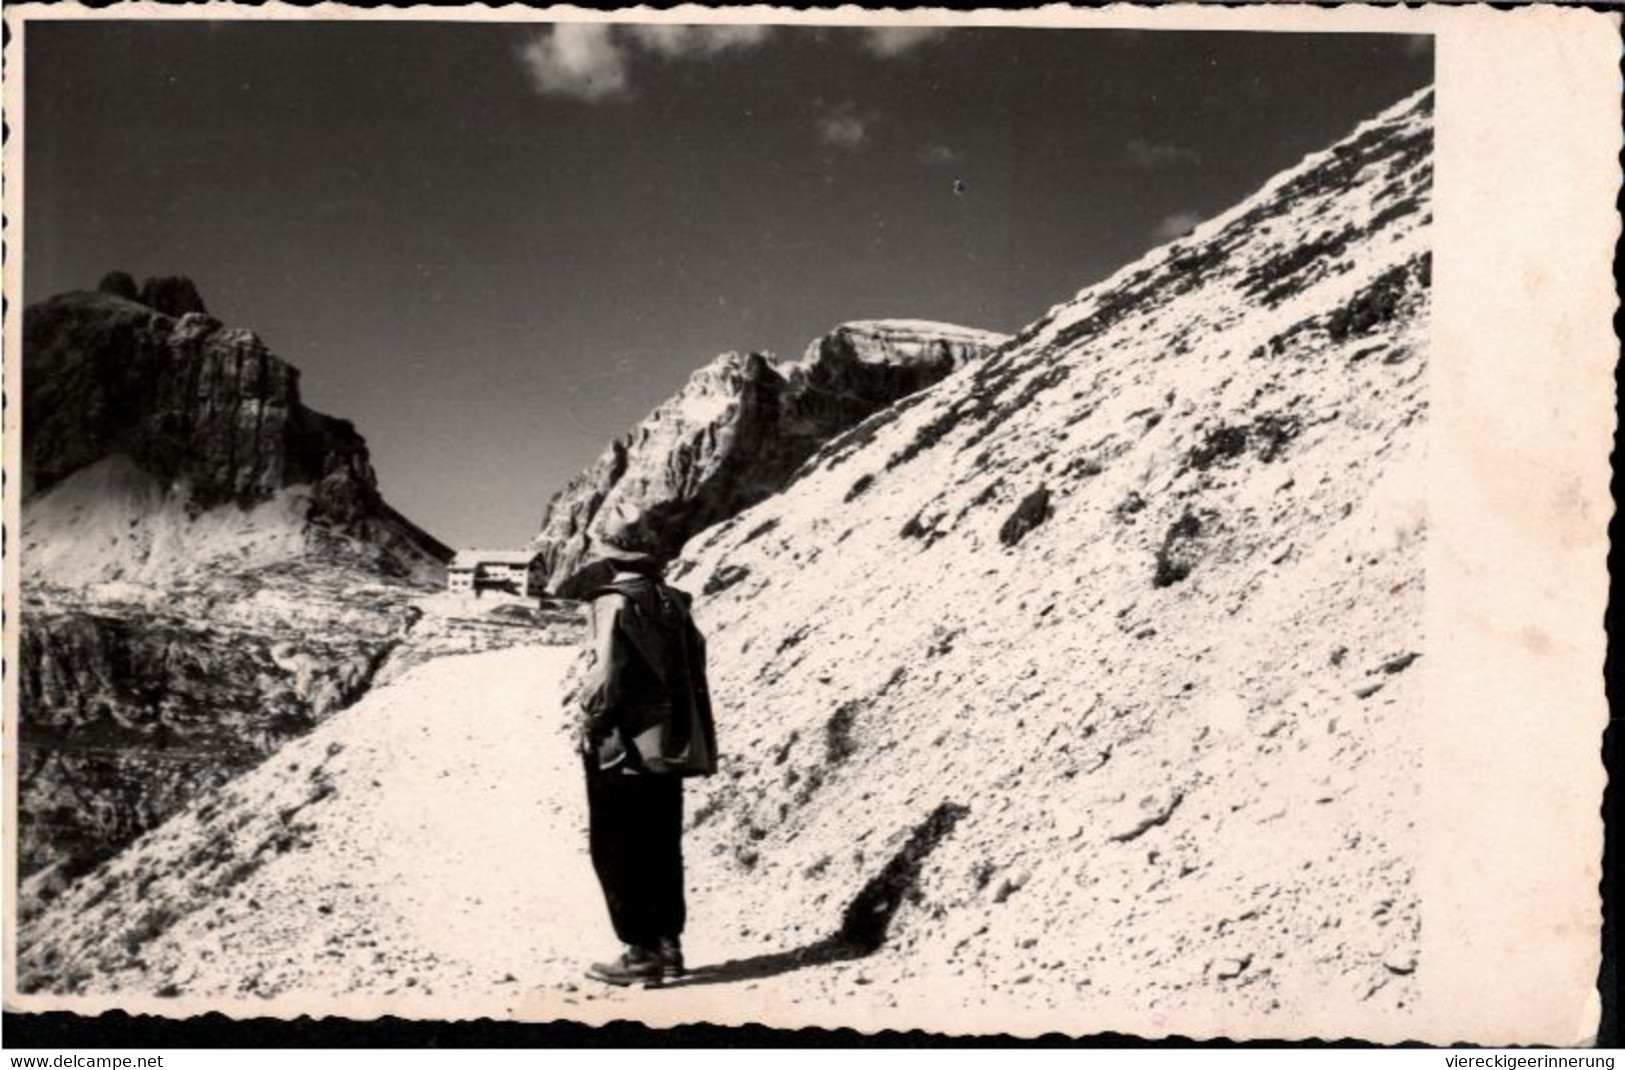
{"x": 649, "y": 708}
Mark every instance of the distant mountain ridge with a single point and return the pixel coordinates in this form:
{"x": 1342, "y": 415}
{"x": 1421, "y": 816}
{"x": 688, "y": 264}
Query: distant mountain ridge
{"x": 194, "y": 416}
{"x": 740, "y": 428}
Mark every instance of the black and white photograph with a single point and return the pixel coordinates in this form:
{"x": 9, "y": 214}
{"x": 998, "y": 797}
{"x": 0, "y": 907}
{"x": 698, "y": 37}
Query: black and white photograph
{"x": 914, "y": 524}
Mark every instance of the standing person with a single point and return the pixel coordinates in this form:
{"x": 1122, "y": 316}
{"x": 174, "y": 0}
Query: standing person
{"x": 646, "y": 725}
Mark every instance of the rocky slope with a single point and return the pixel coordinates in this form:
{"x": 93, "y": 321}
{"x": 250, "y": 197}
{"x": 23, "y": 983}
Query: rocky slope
{"x": 326, "y": 856}
{"x": 208, "y": 567}
{"x": 1092, "y": 673}
{"x": 130, "y": 709}
{"x": 740, "y": 428}
{"x": 1076, "y": 692}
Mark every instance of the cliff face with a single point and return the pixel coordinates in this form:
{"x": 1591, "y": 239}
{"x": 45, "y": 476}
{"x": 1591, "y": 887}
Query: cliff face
{"x": 210, "y": 415}
{"x": 129, "y": 713}
{"x": 740, "y": 429}
{"x": 208, "y": 567}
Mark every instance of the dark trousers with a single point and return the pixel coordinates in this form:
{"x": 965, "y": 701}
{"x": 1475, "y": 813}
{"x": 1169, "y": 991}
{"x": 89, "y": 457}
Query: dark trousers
{"x": 635, "y": 829}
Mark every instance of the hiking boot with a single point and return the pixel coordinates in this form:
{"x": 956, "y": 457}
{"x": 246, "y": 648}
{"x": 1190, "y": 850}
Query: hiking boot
{"x": 636, "y": 966}
{"x": 671, "y": 958}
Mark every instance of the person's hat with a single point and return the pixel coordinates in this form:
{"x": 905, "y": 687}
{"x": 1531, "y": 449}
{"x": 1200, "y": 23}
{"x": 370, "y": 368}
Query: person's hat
{"x": 616, "y": 542}
{"x": 626, "y": 541}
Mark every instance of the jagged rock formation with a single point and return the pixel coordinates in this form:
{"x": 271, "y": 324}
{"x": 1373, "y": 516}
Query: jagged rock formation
{"x": 1086, "y": 678}
{"x": 172, "y": 295}
{"x": 205, "y": 414}
{"x": 740, "y": 428}
{"x": 119, "y": 284}
{"x": 190, "y": 534}
{"x": 129, "y": 713}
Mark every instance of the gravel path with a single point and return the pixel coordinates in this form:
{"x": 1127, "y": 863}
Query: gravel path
{"x": 423, "y": 853}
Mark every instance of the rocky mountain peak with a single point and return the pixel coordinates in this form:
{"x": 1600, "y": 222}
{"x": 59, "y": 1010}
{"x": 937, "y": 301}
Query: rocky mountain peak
{"x": 206, "y": 412}
{"x": 900, "y": 341}
{"x": 208, "y": 566}
{"x": 119, "y": 284}
{"x": 172, "y": 295}
{"x": 740, "y": 428}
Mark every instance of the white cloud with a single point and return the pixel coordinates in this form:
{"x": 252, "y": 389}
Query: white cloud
{"x": 1176, "y": 226}
{"x": 888, "y": 41}
{"x": 577, "y": 59}
{"x": 677, "y": 41}
{"x": 844, "y": 128}
{"x": 936, "y": 155}
{"x": 592, "y": 61}
{"x": 1149, "y": 155}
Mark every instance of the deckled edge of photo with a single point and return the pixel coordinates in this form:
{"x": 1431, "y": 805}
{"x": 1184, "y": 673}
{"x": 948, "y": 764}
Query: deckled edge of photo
{"x": 1520, "y": 428}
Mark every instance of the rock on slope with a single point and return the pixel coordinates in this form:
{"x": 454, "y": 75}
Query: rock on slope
{"x": 1096, "y": 663}
{"x": 1077, "y": 689}
{"x": 740, "y": 428}
{"x": 208, "y": 566}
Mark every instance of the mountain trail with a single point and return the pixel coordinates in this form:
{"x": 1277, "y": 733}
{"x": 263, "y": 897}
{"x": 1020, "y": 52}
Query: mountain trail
{"x": 428, "y": 843}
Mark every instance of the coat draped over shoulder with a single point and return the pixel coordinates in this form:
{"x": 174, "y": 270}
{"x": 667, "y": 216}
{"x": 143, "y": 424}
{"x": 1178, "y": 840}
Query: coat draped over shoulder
{"x": 649, "y": 702}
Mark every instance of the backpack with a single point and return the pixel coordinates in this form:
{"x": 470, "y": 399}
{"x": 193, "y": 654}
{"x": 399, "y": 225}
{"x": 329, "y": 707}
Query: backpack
{"x": 661, "y": 699}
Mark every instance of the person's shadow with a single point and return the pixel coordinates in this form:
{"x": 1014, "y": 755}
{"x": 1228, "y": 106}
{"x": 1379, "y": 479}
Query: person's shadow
{"x": 863, "y": 923}
{"x": 825, "y": 952}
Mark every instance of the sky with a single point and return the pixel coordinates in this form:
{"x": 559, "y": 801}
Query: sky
{"x": 495, "y": 247}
